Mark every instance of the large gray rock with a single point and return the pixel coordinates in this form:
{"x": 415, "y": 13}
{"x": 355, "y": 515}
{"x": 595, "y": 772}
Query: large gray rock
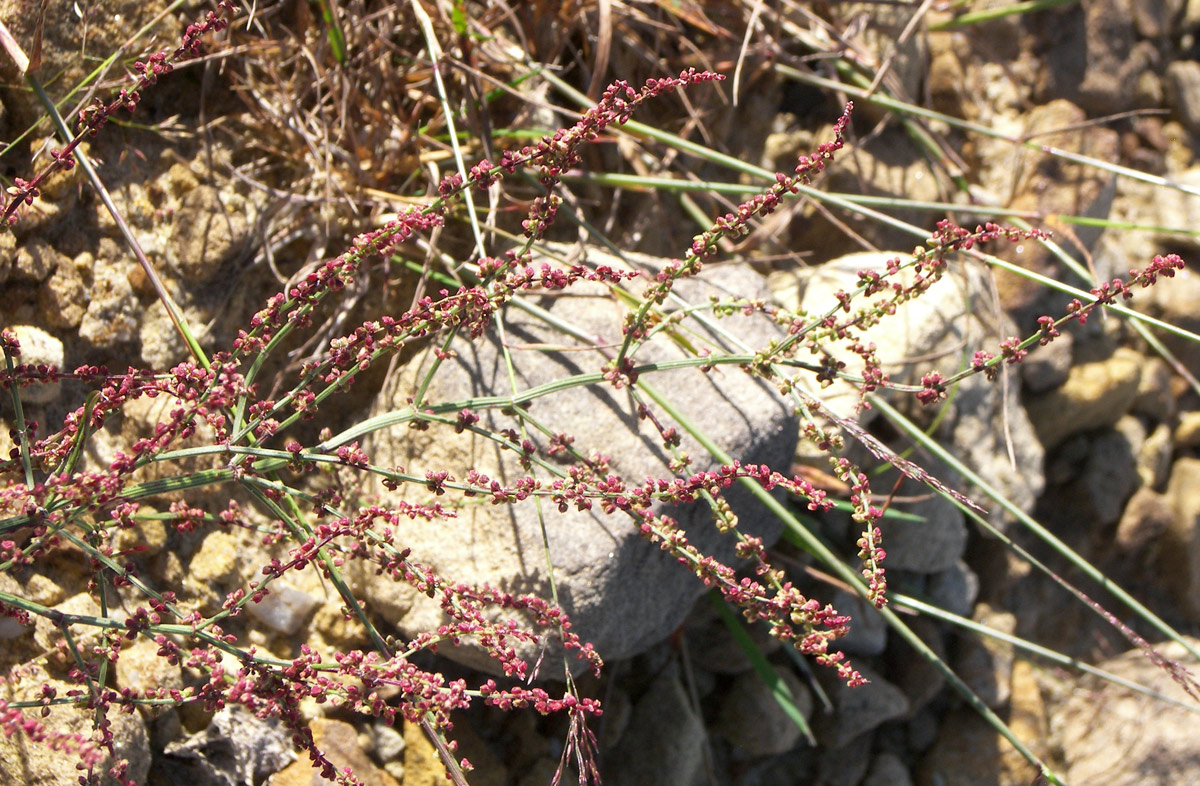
{"x": 953, "y": 589}
{"x": 236, "y": 747}
{"x": 665, "y": 740}
{"x": 622, "y": 593}
{"x": 888, "y": 770}
{"x": 868, "y": 632}
{"x": 858, "y": 710}
{"x": 936, "y": 541}
{"x": 752, "y": 719}
{"x": 916, "y": 677}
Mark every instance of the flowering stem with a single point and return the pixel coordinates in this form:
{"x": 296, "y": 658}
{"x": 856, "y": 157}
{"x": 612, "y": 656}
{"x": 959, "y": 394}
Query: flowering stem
{"x": 131, "y": 240}
{"x": 18, "y": 415}
{"x": 847, "y": 574}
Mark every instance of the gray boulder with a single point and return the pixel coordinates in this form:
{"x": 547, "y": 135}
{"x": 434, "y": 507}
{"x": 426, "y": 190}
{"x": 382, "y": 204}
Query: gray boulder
{"x": 622, "y": 593}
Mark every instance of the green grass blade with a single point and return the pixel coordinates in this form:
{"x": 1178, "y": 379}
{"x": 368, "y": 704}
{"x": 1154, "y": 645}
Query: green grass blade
{"x": 928, "y": 443}
{"x": 333, "y": 30}
{"x": 679, "y": 185}
{"x": 913, "y": 604}
{"x": 991, "y": 14}
{"x": 435, "y": 55}
{"x": 860, "y": 94}
{"x": 779, "y": 689}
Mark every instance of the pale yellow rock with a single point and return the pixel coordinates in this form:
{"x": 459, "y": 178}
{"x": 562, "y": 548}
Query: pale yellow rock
{"x": 1027, "y": 712}
{"x": 217, "y": 559}
{"x": 339, "y": 742}
{"x": 1095, "y": 395}
{"x": 1113, "y": 736}
{"x": 422, "y": 766}
{"x": 29, "y": 763}
{"x": 1187, "y": 433}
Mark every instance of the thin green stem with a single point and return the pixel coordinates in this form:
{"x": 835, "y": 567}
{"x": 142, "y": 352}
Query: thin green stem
{"x": 173, "y": 310}
{"x": 991, "y": 14}
{"x": 19, "y": 417}
{"x": 928, "y": 443}
{"x": 929, "y": 114}
{"x": 921, "y": 607}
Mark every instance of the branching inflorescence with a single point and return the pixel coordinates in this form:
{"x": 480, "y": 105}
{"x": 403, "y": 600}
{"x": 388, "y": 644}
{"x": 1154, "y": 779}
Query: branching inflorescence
{"x": 50, "y": 504}
{"x": 93, "y": 117}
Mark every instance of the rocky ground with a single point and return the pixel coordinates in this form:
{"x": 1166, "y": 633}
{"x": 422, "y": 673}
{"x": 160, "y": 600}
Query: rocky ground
{"x": 1096, "y": 435}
